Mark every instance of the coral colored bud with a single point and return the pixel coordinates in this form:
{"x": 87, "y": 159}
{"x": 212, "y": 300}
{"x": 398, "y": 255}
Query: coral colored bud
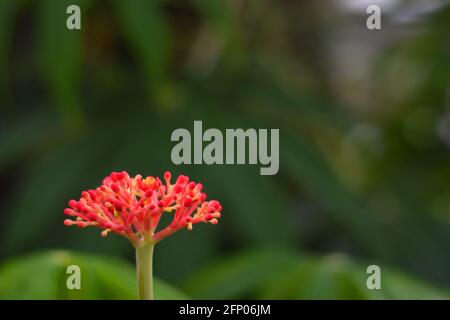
{"x": 80, "y": 224}
{"x": 214, "y": 204}
{"x": 114, "y": 176}
{"x": 213, "y": 221}
{"x": 69, "y": 212}
{"x": 208, "y": 217}
{"x": 149, "y": 193}
{"x": 79, "y": 206}
{"x": 115, "y": 187}
{"x": 177, "y": 189}
{"x": 92, "y": 194}
{"x": 68, "y": 222}
{"x": 191, "y": 185}
{"x": 167, "y": 175}
{"x": 187, "y": 202}
{"x": 116, "y": 203}
{"x": 122, "y": 175}
{"x": 73, "y": 204}
{"x": 182, "y": 180}
{"x": 188, "y": 219}
{"x": 160, "y": 203}
{"x": 92, "y": 216}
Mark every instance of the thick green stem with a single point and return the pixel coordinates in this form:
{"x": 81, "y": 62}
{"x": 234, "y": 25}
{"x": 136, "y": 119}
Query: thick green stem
{"x": 144, "y": 270}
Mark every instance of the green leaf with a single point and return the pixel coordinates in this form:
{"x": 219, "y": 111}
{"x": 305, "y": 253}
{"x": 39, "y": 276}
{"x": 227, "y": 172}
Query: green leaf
{"x": 60, "y": 57}
{"x": 398, "y": 285}
{"x": 239, "y": 276}
{"x": 274, "y": 274}
{"x": 332, "y": 278}
{"x": 43, "y": 276}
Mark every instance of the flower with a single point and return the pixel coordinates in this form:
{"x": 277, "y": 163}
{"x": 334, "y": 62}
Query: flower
{"x": 132, "y": 207}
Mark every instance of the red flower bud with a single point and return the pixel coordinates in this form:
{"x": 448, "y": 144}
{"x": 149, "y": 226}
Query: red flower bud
{"x": 187, "y": 202}
{"x": 115, "y": 188}
{"x": 73, "y": 204}
{"x": 177, "y": 189}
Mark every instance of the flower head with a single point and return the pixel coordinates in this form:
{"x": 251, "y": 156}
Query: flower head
{"x": 133, "y": 206}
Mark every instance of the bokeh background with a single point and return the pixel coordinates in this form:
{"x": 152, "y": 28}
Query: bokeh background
{"x": 364, "y": 119}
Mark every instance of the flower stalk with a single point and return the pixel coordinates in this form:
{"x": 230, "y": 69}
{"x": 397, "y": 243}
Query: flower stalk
{"x": 144, "y": 271}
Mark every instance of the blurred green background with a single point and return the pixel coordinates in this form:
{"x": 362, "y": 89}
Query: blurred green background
{"x": 364, "y": 119}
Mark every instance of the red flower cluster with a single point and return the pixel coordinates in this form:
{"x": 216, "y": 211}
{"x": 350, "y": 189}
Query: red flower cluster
{"x": 133, "y": 206}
